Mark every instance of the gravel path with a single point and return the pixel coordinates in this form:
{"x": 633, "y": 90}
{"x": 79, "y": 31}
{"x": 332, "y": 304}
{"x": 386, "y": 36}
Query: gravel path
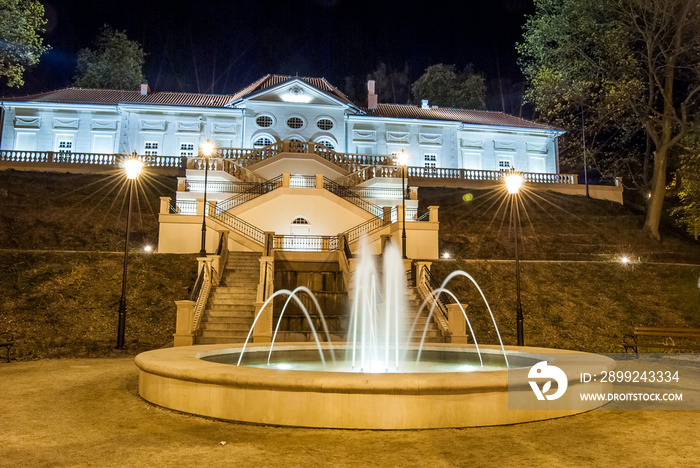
{"x": 87, "y": 412}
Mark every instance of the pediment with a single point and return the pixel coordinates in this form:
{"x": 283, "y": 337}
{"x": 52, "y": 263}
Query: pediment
{"x": 293, "y": 91}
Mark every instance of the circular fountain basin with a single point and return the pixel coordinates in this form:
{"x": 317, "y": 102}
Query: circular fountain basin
{"x": 450, "y": 388}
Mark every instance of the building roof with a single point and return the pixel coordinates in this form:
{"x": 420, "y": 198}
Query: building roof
{"x": 405, "y": 111}
{"x": 114, "y": 97}
{"x": 467, "y": 116}
{"x": 272, "y": 80}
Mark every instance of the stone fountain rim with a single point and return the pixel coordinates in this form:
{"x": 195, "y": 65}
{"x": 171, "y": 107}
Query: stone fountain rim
{"x": 185, "y": 363}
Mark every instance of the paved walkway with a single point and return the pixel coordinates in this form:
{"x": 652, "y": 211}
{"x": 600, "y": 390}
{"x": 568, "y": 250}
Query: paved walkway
{"x": 87, "y": 412}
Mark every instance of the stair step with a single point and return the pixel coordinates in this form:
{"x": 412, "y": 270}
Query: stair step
{"x": 226, "y": 314}
{"x": 235, "y": 334}
{"x": 225, "y": 327}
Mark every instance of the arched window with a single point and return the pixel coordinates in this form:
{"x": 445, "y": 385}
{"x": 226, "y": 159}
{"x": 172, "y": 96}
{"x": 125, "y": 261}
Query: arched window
{"x": 327, "y": 142}
{"x": 300, "y": 226}
{"x": 262, "y": 141}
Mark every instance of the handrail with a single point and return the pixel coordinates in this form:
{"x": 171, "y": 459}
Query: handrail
{"x": 346, "y": 248}
{"x": 202, "y": 290}
{"x": 474, "y": 174}
{"x": 426, "y": 284}
{"x": 240, "y": 226}
{"x": 352, "y": 197}
{"x": 252, "y": 192}
{"x": 218, "y": 186}
{"x": 93, "y": 159}
{"x": 362, "y": 229}
{"x": 369, "y": 172}
{"x": 312, "y": 243}
{"x": 349, "y": 161}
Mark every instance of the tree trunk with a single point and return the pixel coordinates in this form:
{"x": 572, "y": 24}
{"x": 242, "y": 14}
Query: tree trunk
{"x": 658, "y": 192}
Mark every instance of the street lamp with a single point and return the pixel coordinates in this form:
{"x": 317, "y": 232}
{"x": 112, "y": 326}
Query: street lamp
{"x": 513, "y": 183}
{"x": 402, "y": 157}
{"x": 207, "y": 149}
{"x": 132, "y": 168}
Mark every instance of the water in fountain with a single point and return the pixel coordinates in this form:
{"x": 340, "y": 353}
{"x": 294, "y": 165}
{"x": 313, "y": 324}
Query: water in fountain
{"x": 376, "y": 335}
{"x": 377, "y": 340}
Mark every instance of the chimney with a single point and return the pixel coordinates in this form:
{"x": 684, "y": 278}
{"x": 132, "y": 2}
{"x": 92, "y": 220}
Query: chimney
{"x": 145, "y": 89}
{"x": 424, "y": 104}
{"x": 371, "y": 96}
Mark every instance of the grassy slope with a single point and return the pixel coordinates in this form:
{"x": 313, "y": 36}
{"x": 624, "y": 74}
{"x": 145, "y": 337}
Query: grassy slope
{"x": 554, "y": 227}
{"x": 77, "y": 211}
{"x": 65, "y": 304}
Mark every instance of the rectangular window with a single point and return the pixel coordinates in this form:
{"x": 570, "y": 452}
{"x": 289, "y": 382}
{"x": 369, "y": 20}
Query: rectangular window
{"x": 431, "y": 157}
{"x": 64, "y": 146}
{"x": 150, "y": 148}
{"x": 504, "y": 165}
{"x": 186, "y": 149}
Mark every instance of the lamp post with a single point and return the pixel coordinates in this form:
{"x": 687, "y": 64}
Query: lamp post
{"x": 132, "y": 168}
{"x": 402, "y": 163}
{"x": 207, "y": 149}
{"x": 513, "y": 183}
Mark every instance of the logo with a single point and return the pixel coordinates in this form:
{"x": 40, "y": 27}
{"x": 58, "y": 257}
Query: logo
{"x": 542, "y": 371}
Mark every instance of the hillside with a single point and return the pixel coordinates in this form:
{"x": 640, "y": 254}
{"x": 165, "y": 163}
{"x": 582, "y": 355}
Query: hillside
{"x": 54, "y": 211}
{"x": 553, "y": 227}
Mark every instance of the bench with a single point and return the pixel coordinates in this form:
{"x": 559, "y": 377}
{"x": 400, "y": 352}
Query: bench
{"x": 638, "y": 339}
{"x": 7, "y": 340}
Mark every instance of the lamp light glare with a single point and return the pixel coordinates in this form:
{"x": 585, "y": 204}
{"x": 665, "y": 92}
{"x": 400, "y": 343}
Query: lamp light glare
{"x": 148, "y": 248}
{"x": 446, "y": 255}
{"x": 402, "y": 158}
{"x": 132, "y": 167}
{"x": 625, "y": 260}
{"x": 207, "y": 148}
{"x": 513, "y": 183}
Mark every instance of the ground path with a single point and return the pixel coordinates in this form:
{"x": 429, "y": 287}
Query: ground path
{"x": 87, "y": 412}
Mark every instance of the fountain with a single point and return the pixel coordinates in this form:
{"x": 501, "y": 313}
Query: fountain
{"x": 377, "y": 380}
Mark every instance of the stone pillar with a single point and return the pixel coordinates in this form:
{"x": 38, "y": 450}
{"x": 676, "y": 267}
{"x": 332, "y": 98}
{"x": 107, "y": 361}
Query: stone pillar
{"x": 433, "y": 216}
{"x": 285, "y": 179}
{"x": 319, "y": 181}
{"x": 165, "y": 205}
{"x": 386, "y": 213}
{"x": 414, "y": 193}
{"x": 200, "y": 206}
{"x": 262, "y": 332}
{"x": 457, "y": 323}
{"x": 184, "y": 335}
{"x": 182, "y": 184}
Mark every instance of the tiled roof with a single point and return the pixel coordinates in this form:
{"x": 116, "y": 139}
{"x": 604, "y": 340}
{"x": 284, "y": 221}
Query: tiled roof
{"x": 273, "y": 80}
{"x": 113, "y": 97}
{"x": 467, "y": 116}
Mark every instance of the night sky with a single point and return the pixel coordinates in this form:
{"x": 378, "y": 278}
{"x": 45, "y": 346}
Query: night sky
{"x": 221, "y": 46}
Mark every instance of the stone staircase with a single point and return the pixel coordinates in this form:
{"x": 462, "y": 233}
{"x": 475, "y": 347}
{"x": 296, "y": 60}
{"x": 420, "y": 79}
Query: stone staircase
{"x": 230, "y": 310}
{"x": 434, "y": 334}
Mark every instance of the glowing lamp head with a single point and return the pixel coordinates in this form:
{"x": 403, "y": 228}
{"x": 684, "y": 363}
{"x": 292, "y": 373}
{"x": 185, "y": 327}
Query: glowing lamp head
{"x": 132, "y": 167}
{"x": 446, "y": 255}
{"x": 148, "y": 248}
{"x": 625, "y": 260}
{"x": 207, "y": 148}
{"x": 402, "y": 158}
{"x": 513, "y": 183}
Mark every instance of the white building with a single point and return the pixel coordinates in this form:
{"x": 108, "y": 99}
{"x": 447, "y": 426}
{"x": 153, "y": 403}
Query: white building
{"x": 274, "y": 108}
